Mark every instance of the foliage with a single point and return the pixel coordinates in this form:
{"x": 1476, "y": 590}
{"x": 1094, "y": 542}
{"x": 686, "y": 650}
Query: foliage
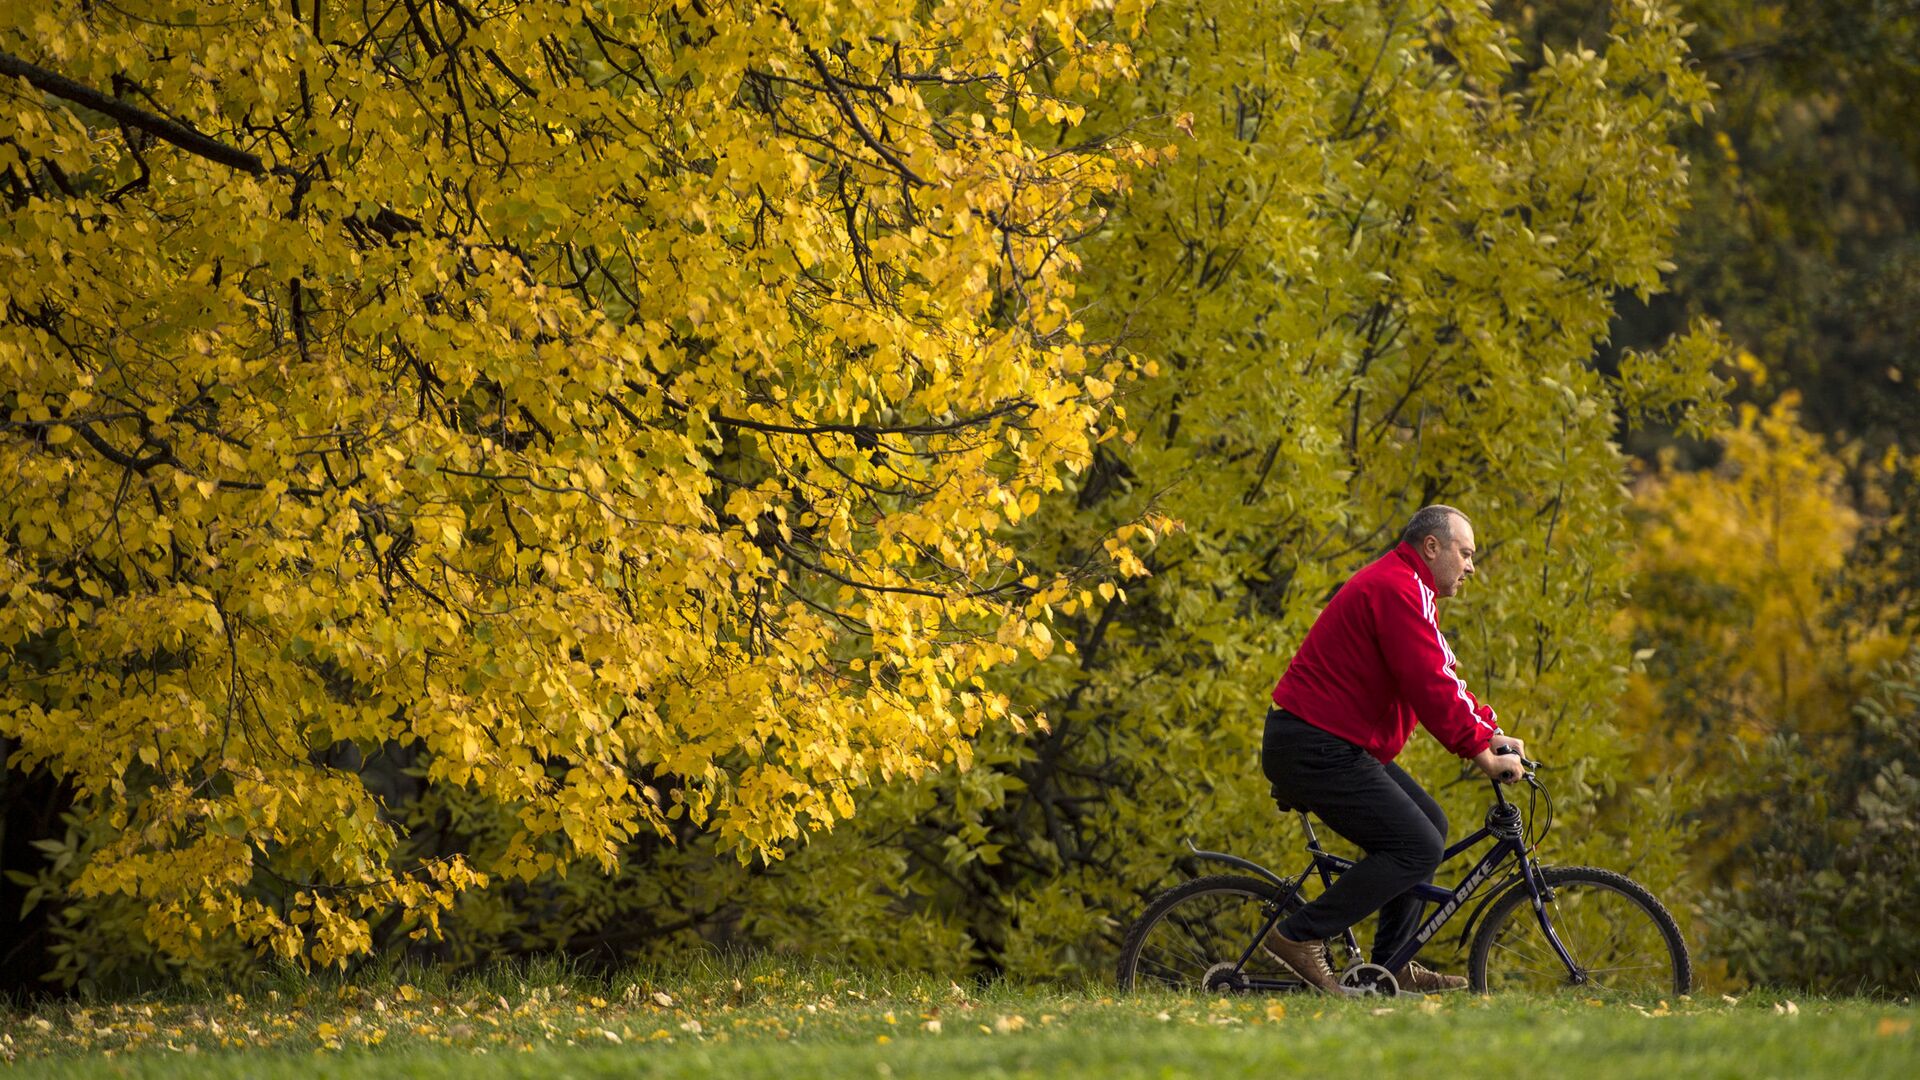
{"x": 1827, "y": 900}
{"x": 1770, "y": 591}
{"x": 1737, "y": 567}
{"x": 1801, "y": 244}
{"x": 1372, "y": 277}
{"x": 449, "y": 442}
{"x": 1802, "y": 238}
{"x": 567, "y": 434}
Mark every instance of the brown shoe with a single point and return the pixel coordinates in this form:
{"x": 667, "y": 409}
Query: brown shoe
{"x": 1421, "y": 980}
{"x": 1307, "y": 959}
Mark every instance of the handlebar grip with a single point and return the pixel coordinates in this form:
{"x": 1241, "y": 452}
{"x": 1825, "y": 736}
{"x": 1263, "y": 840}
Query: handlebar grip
{"x": 1508, "y": 750}
{"x": 1509, "y": 776}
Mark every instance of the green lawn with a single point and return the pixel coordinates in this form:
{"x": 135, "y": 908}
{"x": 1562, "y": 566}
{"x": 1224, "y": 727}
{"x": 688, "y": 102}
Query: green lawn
{"x": 760, "y": 1019}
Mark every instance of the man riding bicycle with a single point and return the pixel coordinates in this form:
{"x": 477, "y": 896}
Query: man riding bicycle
{"x": 1373, "y": 665}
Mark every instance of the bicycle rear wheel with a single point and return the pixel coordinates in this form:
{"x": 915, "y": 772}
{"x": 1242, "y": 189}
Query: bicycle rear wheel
{"x": 1623, "y": 943}
{"x": 1199, "y": 929}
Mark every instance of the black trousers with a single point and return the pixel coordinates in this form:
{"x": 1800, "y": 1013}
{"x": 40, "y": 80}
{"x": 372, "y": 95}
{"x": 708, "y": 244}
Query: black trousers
{"x": 1378, "y": 807}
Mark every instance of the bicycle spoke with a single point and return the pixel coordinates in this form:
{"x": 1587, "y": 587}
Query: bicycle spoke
{"x": 1627, "y": 967}
{"x": 1537, "y": 971}
{"x": 1171, "y": 963}
{"x": 1529, "y": 954}
{"x": 1563, "y": 929}
{"x": 1173, "y": 975}
{"x": 1189, "y": 938}
{"x": 1196, "y": 942}
{"x": 1193, "y": 962}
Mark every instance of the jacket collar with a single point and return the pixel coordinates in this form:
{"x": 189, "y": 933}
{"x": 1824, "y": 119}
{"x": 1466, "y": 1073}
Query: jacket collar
{"x": 1406, "y": 553}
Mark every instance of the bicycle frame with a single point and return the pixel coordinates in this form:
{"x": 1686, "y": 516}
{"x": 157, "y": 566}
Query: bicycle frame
{"x": 1502, "y": 827}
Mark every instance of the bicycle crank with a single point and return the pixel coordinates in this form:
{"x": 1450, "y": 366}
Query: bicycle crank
{"x": 1369, "y": 980}
{"x": 1223, "y": 978}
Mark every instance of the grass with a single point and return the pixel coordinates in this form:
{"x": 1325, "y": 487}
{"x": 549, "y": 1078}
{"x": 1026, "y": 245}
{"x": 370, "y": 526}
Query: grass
{"x": 759, "y": 1018}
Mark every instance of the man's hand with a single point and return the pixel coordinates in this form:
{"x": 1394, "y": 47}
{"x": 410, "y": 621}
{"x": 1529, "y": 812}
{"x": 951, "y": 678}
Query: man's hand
{"x": 1507, "y": 768}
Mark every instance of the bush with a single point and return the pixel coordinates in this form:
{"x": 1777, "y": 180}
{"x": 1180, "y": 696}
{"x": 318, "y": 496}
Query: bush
{"x": 1828, "y": 901}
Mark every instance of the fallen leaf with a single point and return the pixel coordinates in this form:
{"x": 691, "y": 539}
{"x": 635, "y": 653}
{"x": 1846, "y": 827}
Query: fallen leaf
{"x": 1277, "y": 1011}
{"x": 1890, "y": 1025}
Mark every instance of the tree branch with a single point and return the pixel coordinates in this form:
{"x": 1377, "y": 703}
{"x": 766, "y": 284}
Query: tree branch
{"x": 159, "y": 127}
{"x": 853, "y": 117}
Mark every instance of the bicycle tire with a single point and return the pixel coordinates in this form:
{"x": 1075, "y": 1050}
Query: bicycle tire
{"x": 1212, "y": 920}
{"x": 1602, "y": 918}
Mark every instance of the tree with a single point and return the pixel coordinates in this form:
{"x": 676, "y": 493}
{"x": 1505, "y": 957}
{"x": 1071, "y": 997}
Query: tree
{"x": 1801, "y": 242}
{"x": 1374, "y": 275}
{"x": 585, "y": 418}
{"x": 1377, "y": 275}
{"x": 1772, "y": 694}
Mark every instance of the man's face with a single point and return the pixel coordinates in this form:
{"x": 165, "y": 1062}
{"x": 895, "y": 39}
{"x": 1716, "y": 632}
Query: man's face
{"x": 1449, "y": 557}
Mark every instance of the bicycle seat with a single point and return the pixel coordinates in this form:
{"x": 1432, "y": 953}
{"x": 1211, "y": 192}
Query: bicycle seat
{"x": 1285, "y": 801}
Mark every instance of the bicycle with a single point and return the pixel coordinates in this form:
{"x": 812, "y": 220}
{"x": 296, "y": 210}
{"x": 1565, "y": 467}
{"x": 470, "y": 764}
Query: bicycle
{"x": 1590, "y": 929}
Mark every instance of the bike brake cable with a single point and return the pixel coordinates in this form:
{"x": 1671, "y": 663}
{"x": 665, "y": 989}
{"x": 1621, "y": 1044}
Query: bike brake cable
{"x": 1539, "y": 789}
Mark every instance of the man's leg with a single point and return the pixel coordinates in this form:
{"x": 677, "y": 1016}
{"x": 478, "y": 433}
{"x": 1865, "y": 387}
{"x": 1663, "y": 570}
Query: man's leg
{"x": 1360, "y": 800}
{"x": 1401, "y": 915}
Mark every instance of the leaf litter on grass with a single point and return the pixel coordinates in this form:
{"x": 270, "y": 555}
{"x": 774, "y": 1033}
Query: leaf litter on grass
{"x": 654, "y": 1012}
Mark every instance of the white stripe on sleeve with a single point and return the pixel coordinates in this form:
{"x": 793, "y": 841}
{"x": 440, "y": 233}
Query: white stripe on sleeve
{"x": 1427, "y": 607}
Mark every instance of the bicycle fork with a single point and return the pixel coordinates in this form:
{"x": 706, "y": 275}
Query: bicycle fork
{"x": 1541, "y": 894}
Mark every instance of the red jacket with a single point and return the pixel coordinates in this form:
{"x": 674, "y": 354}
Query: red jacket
{"x": 1375, "y": 662}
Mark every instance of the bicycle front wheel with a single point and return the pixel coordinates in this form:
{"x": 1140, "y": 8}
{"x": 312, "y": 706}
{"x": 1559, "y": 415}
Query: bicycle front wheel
{"x": 1623, "y": 943}
{"x": 1200, "y": 929}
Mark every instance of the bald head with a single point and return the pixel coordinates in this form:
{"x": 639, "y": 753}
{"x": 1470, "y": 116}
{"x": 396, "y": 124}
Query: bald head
{"x": 1435, "y": 520}
{"x": 1443, "y": 537}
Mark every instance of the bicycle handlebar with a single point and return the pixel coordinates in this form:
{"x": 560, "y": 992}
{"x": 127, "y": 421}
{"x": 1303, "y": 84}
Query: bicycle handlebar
{"x": 1526, "y": 763}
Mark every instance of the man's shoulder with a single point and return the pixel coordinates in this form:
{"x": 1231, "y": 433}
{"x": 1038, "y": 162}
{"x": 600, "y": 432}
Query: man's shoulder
{"x": 1388, "y": 573}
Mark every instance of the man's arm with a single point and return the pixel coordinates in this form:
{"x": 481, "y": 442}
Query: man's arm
{"x": 1424, "y": 668}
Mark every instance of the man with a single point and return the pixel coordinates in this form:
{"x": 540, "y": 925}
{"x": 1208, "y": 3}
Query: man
{"x": 1372, "y": 666}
